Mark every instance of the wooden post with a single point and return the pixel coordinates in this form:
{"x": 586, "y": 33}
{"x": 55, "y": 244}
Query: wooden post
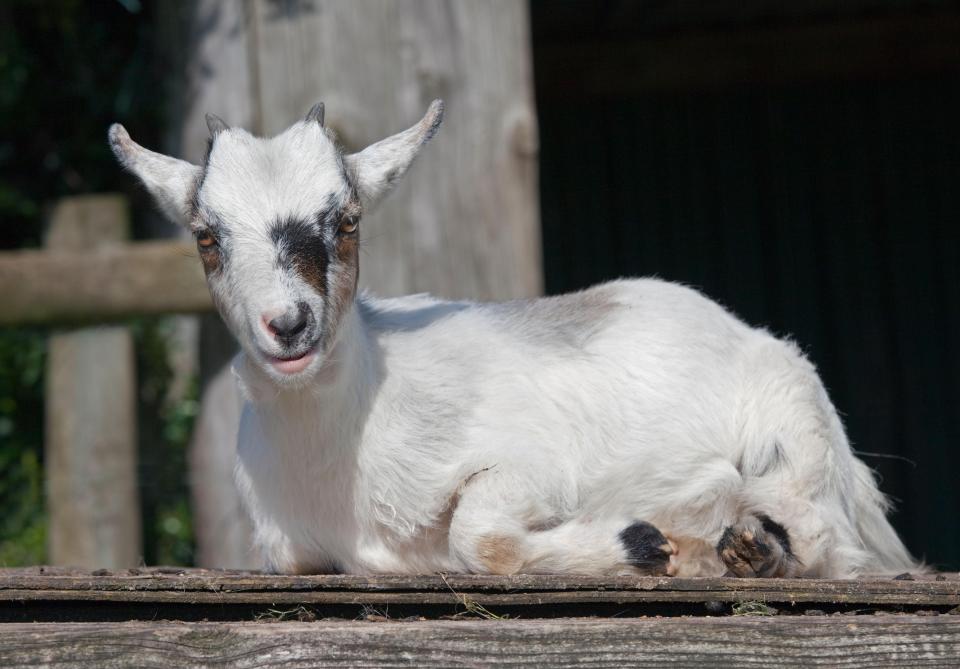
{"x": 113, "y": 283}
{"x": 465, "y": 221}
{"x": 91, "y": 446}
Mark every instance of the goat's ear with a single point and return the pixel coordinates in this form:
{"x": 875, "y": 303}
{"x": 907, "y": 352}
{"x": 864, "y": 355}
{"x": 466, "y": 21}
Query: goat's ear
{"x": 169, "y": 180}
{"x": 379, "y": 166}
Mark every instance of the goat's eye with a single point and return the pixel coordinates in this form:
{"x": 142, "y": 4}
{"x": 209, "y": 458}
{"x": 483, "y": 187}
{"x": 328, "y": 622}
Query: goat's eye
{"x": 349, "y": 225}
{"x": 206, "y": 241}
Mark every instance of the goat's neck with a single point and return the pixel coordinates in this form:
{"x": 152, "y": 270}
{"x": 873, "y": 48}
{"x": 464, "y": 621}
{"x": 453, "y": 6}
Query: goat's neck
{"x": 332, "y": 405}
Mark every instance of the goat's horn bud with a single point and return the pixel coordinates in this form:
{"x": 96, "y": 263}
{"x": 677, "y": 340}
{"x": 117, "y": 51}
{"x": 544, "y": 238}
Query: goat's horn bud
{"x": 216, "y": 125}
{"x": 315, "y": 114}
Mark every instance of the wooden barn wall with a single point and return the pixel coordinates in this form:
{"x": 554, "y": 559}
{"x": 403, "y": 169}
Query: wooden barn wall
{"x": 827, "y": 212}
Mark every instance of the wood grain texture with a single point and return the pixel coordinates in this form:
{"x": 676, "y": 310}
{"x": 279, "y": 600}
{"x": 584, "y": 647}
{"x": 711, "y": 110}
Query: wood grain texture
{"x": 104, "y": 284}
{"x": 465, "y": 222}
{"x": 247, "y": 587}
{"x": 209, "y": 43}
{"x": 90, "y": 439}
{"x": 891, "y": 641}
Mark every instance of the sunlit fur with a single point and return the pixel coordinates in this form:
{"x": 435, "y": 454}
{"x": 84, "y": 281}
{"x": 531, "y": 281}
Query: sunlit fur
{"x": 517, "y": 437}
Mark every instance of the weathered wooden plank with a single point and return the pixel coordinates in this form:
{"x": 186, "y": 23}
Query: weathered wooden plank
{"x": 890, "y": 641}
{"x": 243, "y": 587}
{"x": 90, "y": 443}
{"x": 204, "y": 579}
{"x": 105, "y": 284}
{"x": 524, "y": 599}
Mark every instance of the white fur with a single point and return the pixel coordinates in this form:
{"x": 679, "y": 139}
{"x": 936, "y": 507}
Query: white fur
{"x": 427, "y": 429}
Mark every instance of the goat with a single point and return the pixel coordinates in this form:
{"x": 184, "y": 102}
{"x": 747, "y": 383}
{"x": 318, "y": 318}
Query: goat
{"x": 635, "y": 427}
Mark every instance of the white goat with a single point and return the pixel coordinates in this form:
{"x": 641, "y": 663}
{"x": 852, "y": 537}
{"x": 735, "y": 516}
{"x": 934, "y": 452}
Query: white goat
{"x": 635, "y": 427}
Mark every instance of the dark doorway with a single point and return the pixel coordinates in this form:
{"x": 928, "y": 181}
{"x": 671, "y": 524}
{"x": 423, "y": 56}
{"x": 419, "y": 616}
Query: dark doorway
{"x": 800, "y": 165}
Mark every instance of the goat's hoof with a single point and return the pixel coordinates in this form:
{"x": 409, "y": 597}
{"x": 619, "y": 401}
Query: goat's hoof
{"x": 757, "y": 547}
{"x": 648, "y": 551}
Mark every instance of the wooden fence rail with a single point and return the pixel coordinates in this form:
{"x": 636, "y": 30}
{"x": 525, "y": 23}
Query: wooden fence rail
{"x": 108, "y": 283}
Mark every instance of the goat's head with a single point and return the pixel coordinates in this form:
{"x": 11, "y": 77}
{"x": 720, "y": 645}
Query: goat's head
{"x": 276, "y": 224}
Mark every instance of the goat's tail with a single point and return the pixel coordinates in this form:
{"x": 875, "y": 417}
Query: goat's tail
{"x": 885, "y": 553}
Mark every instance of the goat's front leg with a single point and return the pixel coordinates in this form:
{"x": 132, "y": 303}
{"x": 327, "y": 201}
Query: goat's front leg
{"x": 496, "y": 530}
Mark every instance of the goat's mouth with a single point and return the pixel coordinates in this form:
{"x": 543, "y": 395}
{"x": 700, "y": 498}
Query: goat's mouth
{"x": 290, "y": 365}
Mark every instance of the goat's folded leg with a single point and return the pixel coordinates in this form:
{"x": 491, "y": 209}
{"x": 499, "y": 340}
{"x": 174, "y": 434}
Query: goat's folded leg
{"x": 494, "y": 530}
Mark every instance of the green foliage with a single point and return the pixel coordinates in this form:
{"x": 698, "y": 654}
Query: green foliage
{"x": 69, "y": 68}
{"x": 23, "y": 524}
{"x": 173, "y": 533}
{"x": 166, "y": 420}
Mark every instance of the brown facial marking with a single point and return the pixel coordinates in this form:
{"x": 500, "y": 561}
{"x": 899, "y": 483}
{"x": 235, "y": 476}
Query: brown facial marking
{"x": 347, "y": 258}
{"x": 348, "y": 255}
{"x": 211, "y": 261}
{"x": 500, "y": 554}
{"x": 209, "y": 251}
{"x": 312, "y": 269}
{"x": 301, "y": 244}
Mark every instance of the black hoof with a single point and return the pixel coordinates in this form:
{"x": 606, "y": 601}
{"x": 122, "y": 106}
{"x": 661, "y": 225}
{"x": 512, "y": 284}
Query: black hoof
{"x": 758, "y": 547}
{"x": 648, "y": 550}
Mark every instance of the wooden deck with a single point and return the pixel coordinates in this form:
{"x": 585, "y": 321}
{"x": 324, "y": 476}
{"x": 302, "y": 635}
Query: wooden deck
{"x": 194, "y": 618}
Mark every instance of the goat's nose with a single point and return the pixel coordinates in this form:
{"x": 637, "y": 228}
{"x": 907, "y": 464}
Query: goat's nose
{"x": 289, "y": 324}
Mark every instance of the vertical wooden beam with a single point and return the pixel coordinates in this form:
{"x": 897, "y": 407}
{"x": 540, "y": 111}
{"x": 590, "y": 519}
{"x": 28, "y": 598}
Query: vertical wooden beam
{"x": 465, "y": 222}
{"x": 91, "y": 446}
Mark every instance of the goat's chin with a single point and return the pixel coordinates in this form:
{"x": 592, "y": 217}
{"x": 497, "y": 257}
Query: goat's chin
{"x": 292, "y": 373}
{"x": 292, "y": 367}
{"x": 262, "y": 377}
